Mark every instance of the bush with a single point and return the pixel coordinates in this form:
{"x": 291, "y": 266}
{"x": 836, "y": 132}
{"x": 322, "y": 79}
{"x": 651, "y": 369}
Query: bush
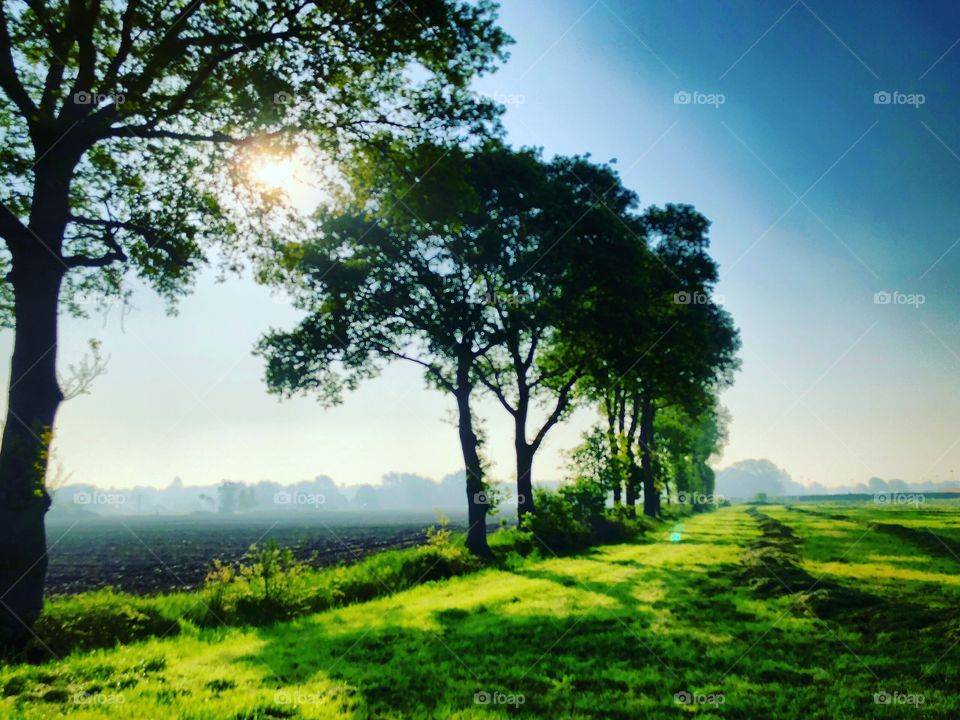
{"x": 617, "y": 525}
{"x": 556, "y": 523}
{"x": 576, "y": 517}
{"x": 587, "y": 500}
{"x": 271, "y": 585}
{"x": 97, "y": 619}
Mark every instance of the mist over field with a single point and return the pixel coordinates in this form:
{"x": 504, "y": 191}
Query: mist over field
{"x": 403, "y": 492}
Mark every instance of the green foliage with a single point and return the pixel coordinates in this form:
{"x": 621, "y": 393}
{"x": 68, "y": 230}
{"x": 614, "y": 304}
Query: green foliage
{"x": 593, "y": 461}
{"x": 587, "y": 500}
{"x": 685, "y": 445}
{"x": 98, "y": 619}
{"x": 147, "y": 112}
{"x": 557, "y": 523}
{"x": 270, "y": 585}
{"x": 576, "y": 517}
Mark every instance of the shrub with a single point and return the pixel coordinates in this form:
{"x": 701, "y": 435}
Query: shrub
{"x": 555, "y": 524}
{"x": 576, "y": 517}
{"x": 270, "y": 585}
{"x": 587, "y": 499}
{"x": 97, "y": 619}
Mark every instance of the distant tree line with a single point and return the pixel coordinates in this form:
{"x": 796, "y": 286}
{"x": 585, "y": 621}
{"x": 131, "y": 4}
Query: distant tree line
{"x": 746, "y": 478}
{"x": 397, "y": 491}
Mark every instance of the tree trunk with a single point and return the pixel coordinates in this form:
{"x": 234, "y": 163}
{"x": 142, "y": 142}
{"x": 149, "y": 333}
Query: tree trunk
{"x": 632, "y": 472}
{"x": 34, "y": 397}
{"x": 477, "y": 500}
{"x": 651, "y": 498}
{"x": 524, "y": 477}
{"x": 614, "y": 450}
{"x": 524, "y": 450}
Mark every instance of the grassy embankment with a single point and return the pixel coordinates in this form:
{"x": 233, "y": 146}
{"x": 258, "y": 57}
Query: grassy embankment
{"x": 768, "y": 612}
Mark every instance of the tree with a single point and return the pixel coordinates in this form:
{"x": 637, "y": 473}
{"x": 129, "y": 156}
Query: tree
{"x": 120, "y": 121}
{"x": 533, "y": 218}
{"x": 517, "y": 218}
{"x": 652, "y": 335}
{"x": 395, "y": 281}
{"x": 610, "y": 327}
{"x": 228, "y": 493}
{"x": 592, "y": 461}
{"x": 686, "y": 444}
{"x": 697, "y": 339}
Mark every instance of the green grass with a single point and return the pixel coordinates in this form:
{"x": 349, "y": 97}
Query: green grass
{"x": 240, "y": 597}
{"x": 613, "y": 633}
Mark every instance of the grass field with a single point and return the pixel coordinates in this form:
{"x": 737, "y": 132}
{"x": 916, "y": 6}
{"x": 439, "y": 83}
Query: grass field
{"x": 805, "y": 611}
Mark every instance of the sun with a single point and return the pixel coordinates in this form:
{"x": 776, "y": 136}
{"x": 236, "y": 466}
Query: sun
{"x": 291, "y": 178}
{"x": 273, "y": 172}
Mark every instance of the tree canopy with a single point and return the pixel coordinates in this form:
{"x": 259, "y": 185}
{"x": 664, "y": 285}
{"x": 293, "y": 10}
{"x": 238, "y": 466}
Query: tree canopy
{"x": 128, "y": 115}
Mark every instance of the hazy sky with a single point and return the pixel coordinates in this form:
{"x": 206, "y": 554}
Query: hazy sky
{"x": 820, "y": 197}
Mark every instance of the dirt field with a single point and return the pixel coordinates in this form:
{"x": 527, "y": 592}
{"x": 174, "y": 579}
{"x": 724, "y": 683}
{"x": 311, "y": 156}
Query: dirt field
{"x": 144, "y": 555}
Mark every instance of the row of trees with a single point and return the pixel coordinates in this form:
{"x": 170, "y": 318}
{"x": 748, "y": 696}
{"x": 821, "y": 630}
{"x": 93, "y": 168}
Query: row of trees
{"x": 497, "y": 271}
{"x": 540, "y": 282}
{"x": 119, "y": 121}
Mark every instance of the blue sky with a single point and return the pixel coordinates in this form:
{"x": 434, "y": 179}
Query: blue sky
{"x": 820, "y": 198}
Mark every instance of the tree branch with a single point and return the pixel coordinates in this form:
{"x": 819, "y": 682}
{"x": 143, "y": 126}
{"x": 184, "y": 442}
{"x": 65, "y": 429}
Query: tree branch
{"x": 145, "y": 132}
{"x": 491, "y": 381}
{"x": 125, "y": 46}
{"x": 563, "y": 402}
{"x": 431, "y": 368}
{"x": 11, "y": 229}
{"x": 116, "y": 253}
{"x": 9, "y": 80}
{"x": 81, "y": 21}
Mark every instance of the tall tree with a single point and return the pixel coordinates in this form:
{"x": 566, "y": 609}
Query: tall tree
{"x": 119, "y": 120}
{"x": 608, "y": 327}
{"x": 652, "y": 333}
{"x": 395, "y": 281}
{"x": 535, "y": 218}
{"x": 697, "y": 339}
